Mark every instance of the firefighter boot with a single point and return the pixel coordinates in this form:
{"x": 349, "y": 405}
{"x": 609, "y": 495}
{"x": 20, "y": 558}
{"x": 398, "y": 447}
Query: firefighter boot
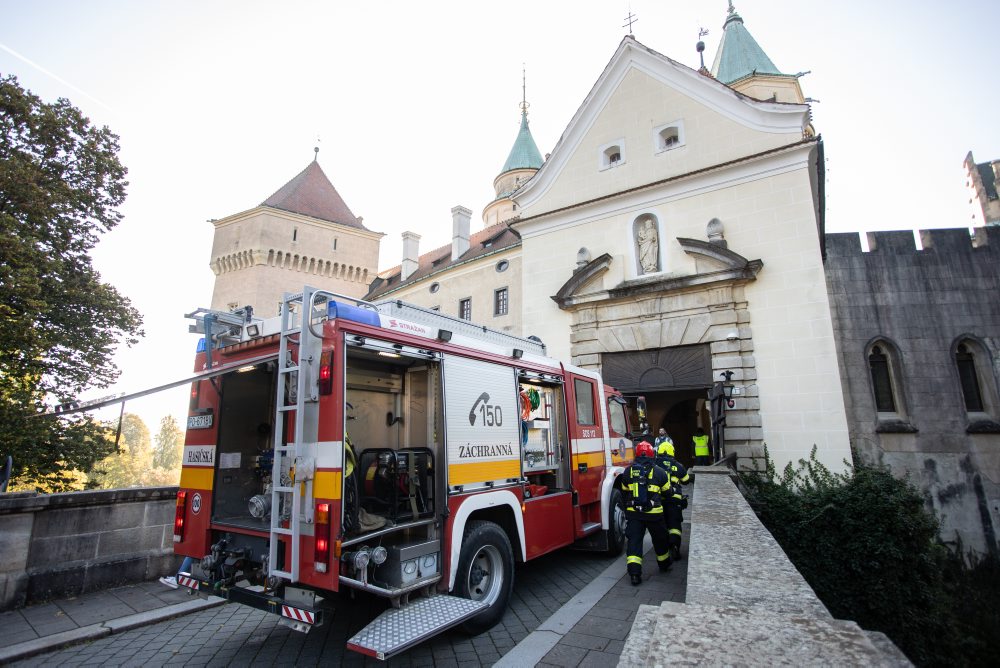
{"x": 636, "y": 579}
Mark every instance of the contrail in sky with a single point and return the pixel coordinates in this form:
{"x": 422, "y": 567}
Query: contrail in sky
{"x": 54, "y": 76}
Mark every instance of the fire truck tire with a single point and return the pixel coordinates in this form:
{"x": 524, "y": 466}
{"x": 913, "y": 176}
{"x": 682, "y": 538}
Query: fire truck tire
{"x": 485, "y": 572}
{"x": 616, "y": 523}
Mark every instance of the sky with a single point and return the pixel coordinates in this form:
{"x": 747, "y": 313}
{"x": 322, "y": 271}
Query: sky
{"x": 415, "y": 106}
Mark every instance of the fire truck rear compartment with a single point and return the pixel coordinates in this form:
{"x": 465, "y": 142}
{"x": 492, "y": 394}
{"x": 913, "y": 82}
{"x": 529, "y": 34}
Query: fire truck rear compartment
{"x": 244, "y": 447}
{"x": 393, "y": 418}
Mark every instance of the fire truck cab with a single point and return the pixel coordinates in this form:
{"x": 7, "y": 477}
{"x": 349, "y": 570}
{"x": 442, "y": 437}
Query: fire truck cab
{"x": 391, "y": 449}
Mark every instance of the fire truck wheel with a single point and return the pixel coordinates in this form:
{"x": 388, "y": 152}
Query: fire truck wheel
{"x": 616, "y": 524}
{"x": 485, "y": 573}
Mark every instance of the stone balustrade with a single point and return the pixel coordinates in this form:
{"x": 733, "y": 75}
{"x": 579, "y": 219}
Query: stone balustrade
{"x": 58, "y": 545}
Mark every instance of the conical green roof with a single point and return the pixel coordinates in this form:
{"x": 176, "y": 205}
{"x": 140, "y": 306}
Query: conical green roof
{"x": 739, "y": 55}
{"x": 524, "y": 154}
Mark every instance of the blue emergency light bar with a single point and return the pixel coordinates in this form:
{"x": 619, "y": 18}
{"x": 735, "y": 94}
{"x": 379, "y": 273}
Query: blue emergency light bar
{"x": 365, "y": 316}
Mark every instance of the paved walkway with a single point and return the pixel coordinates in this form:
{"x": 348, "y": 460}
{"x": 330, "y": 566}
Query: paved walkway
{"x": 587, "y": 630}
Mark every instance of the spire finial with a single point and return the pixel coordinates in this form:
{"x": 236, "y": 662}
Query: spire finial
{"x": 700, "y": 46}
{"x": 524, "y": 91}
{"x": 316, "y": 149}
{"x": 732, "y": 9}
{"x": 629, "y": 20}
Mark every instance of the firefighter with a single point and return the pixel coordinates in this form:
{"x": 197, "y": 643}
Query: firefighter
{"x": 674, "y": 501}
{"x": 643, "y": 483}
{"x": 701, "y": 451}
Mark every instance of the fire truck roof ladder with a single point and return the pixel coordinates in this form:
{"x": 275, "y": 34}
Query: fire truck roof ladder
{"x": 297, "y": 400}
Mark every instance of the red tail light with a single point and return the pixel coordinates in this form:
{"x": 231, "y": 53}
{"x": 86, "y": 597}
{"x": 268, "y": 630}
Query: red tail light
{"x": 326, "y": 372}
{"x": 322, "y": 544}
{"x": 179, "y": 516}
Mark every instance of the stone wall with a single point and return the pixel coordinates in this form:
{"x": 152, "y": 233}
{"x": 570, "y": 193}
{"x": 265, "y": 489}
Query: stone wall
{"x": 917, "y": 306}
{"x": 746, "y": 604}
{"x": 56, "y": 545}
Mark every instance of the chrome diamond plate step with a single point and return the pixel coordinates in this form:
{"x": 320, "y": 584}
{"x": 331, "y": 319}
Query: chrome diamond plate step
{"x": 398, "y": 629}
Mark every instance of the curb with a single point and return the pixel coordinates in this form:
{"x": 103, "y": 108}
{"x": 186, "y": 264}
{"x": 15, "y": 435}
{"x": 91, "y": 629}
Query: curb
{"x": 82, "y": 634}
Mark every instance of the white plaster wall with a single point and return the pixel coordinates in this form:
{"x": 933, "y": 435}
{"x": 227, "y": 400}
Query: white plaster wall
{"x": 476, "y": 280}
{"x": 767, "y": 211}
{"x": 638, "y": 105}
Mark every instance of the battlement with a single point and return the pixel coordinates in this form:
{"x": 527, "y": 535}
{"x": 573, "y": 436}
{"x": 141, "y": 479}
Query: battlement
{"x": 947, "y": 241}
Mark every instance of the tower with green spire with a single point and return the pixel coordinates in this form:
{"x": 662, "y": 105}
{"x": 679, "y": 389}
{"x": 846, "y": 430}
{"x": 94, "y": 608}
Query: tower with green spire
{"x": 741, "y": 64}
{"x": 522, "y": 162}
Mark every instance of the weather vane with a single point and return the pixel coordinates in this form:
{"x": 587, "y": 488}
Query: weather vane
{"x": 524, "y": 91}
{"x": 700, "y": 47}
{"x": 316, "y": 149}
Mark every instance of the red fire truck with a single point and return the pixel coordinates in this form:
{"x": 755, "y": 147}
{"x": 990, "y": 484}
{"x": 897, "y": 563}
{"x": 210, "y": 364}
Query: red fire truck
{"x": 391, "y": 449}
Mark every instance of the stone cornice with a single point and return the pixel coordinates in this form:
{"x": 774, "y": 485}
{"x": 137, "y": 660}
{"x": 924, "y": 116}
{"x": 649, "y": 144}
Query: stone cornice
{"x": 580, "y": 277}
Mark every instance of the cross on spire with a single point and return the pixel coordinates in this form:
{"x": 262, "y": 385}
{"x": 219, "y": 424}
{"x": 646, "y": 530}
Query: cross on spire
{"x": 629, "y": 20}
{"x": 524, "y": 93}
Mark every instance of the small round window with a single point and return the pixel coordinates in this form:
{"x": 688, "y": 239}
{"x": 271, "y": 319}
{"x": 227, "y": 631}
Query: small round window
{"x": 435, "y": 287}
{"x": 502, "y": 265}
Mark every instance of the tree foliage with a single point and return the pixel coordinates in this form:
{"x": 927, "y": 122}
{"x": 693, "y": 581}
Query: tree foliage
{"x": 134, "y": 464}
{"x": 169, "y": 444}
{"x": 868, "y": 546}
{"x": 60, "y": 186}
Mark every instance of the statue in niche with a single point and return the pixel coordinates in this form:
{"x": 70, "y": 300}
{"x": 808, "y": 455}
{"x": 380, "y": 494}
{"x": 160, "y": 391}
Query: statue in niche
{"x": 649, "y": 247}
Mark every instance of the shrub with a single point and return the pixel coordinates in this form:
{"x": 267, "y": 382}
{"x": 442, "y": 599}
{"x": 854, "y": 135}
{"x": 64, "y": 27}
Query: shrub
{"x": 867, "y": 545}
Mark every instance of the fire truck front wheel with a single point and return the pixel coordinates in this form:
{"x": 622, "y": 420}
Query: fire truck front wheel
{"x": 616, "y": 523}
{"x": 485, "y": 573}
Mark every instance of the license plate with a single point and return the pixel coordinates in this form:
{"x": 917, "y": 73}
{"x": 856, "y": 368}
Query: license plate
{"x": 200, "y": 421}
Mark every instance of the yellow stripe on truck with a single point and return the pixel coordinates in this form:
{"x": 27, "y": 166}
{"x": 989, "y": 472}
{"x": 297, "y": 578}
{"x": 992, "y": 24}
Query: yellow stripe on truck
{"x": 326, "y": 485}
{"x": 591, "y": 459}
{"x": 197, "y": 477}
{"x": 463, "y": 474}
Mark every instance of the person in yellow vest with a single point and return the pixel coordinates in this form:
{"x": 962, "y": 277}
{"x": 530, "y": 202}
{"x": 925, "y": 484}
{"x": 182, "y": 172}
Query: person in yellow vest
{"x": 644, "y": 483}
{"x": 701, "y": 451}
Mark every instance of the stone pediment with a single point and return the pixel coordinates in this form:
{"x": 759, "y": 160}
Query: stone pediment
{"x": 718, "y": 264}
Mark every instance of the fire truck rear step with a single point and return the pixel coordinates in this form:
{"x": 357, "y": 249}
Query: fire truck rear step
{"x": 396, "y": 630}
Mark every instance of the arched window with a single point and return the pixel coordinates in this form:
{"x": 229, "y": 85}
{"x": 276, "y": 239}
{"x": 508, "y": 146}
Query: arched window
{"x": 878, "y": 365}
{"x": 886, "y": 374}
{"x": 965, "y": 360}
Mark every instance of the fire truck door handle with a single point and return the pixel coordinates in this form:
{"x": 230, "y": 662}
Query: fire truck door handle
{"x": 582, "y": 467}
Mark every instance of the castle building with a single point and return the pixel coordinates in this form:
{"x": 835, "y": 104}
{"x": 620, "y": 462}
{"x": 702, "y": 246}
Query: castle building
{"x": 674, "y": 239}
{"x": 302, "y": 234}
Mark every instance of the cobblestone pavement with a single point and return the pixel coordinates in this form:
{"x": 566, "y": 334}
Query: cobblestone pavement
{"x": 240, "y": 636}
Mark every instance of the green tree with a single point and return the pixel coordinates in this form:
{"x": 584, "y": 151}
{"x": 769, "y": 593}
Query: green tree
{"x": 60, "y": 186}
{"x": 132, "y": 464}
{"x": 168, "y": 445}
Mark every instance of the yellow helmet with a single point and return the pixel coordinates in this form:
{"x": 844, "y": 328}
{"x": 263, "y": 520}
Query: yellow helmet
{"x": 666, "y": 448}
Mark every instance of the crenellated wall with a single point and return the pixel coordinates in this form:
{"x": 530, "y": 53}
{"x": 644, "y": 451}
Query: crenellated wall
{"x": 917, "y": 305}
{"x": 58, "y": 545}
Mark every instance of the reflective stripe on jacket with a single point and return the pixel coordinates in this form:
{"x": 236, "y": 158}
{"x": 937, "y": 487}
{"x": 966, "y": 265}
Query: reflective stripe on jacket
{"x": 644, "y": 482}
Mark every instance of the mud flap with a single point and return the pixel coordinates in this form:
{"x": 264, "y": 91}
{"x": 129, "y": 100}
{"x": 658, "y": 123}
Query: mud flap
{"x": 396, "y": 630}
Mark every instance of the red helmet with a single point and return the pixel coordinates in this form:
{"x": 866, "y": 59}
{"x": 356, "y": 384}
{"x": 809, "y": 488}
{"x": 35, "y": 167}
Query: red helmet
{"x": 644, "y": 449}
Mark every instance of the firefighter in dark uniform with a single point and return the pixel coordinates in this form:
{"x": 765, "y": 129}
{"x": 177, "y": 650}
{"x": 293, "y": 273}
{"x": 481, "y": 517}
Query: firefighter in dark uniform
{"x": 674, "y": 500}
{"x": 643, "y": 483}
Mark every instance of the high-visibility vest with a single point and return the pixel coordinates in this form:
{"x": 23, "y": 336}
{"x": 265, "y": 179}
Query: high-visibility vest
{"x": 700, "y": 446}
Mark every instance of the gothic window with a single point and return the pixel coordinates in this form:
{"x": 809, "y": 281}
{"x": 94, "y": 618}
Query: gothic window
{"x": 465, "y": 309}
{"x": 500, "y": 302}
{"x": 968, "y": 376}
{"x": 878, "y": 366}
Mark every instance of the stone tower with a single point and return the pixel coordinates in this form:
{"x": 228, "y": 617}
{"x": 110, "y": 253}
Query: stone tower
{"x": 302, "y": 234}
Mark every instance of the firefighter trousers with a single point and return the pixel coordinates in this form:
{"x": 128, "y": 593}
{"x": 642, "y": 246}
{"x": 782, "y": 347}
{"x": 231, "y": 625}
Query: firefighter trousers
{"x": 674, "y": 518}
{"x": 635, "y": 531}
